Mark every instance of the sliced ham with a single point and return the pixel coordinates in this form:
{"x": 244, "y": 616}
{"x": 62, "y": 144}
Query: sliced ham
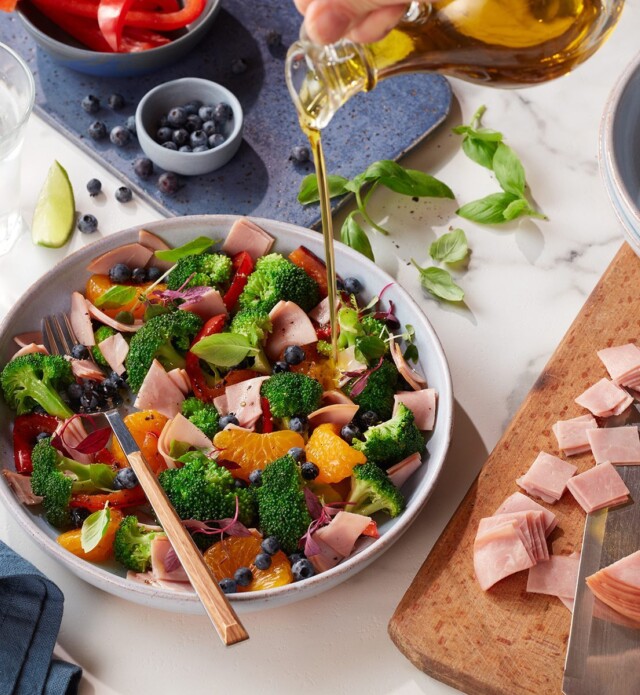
{"x": 557, "y": 576}
{"x": 415, "y": 380}
{"x": 147, "y": 579}
{"x": 320, "y": 313}
{"x": 155, "y": 243}
{"x": 23, "y": 339}
{"x": 572, "y": 434}
{"x": 400, "y": 472}
{"x": 342, "y": 532}
{"x": 290, "y": 326}
{"x": 615, "y": 444}
{"x": 210, "y": 304}
{"x": 335, "y": 397}
{"x": 221, "y": 404}
{"x": 86, "y": 369}
{"x": 421, "y": 403}
{"x": 180, "y": 429}
{"x": 326, "y": 557}
{"x": 162, "y": 557}
{"x": 336, "y": 414}
{"x": 246, "y": 235}
{"x": 243, "y": 400}
{"x": 73, "y": 432}
{"x": 604, "y": 399}
{"x": 108, "y": 321}
{"x": 499, "y": 553}
{"x": 622, "y": 362}
{"x": 618, "y": 586}
{"x": 547, "y": 477}
{"x": 30, "y": 349}
{"x": 181, "y": 379}
{"x": 521, "y": 503}
{"x": 133, "y": 255}
{"x": 598, "y": 487}
{"x": 21, "y": 485}
{"x": 159, "y": 392}
{"x": 115, "y": 349}
{"x": 80, "y": 319}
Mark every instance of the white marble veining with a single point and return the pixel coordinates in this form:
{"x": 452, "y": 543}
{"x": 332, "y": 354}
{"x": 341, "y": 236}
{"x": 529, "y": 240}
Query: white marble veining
{"x": 525, "y": 283}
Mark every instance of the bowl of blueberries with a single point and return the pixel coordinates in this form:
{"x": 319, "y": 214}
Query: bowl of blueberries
{"x": 189, "y": 126}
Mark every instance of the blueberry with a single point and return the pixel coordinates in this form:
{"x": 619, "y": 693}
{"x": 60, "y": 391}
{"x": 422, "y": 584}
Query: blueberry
{"x": 296, "y": 557}
{"x": 143, "y": 167}
{"x": 89, "y": 385}
{"x": 91, "y": 104}
{"x": 185, "y": 148}
{"x": 78, "y": 515}
{"x": 300, "y": 154}
{"x": 192, "y": 107}
{"x": 243, "y": 576}
{"x": 168, "y": 183}
{"x": 228, "y": 586}
{"x": 215, "y": 140}
{"x": 240, "y": 484}
{"x": 194, "y": 122}
{"x": 170, "y": 145}
{"x": 229, "y": 419}
{"x": 239, "y": 66}
{"x": 87, "y": 224}
{"x": 116, "y": 102}
{"x": 119, "y": 273}
{"x": 163, "y": 121}
{"x": 206, "y": 113}
{"x": 309, "y": 471}
{"x": 181, "y": 136}
{"x": 138, "y": 275}
{"x": 108, "y": 389}
{"x": 117, "y": 379}
{"x": 302, "y": 569}
{"x": 200, "y": 148}
{"x": 294, "y": 354}
{"x": 177, "y": 117}
{"x": 130, "y": 125}
{"x": 279, "y": 367}
{"x": 153, "y": 273}
{"x": 125, "y": 317}
{"x": 298, "y": 453}
{"x": 42, "y": 435}
{"x": 350, "y": 432}
{"x": 352, "y": 285}
{"x": 222, "y": 113}
{"x": 80, "y": 352}
{"x": 198, "y": 138}
{"x": 164, "y": 135}
{"x": 262, "y": 561}
{"x": 270, "y": 545}
{"x": 94, "y": 186}
{"x": 120, "y": 136}
{"x": 88, "y": 401}
{"x": 274, "y": 38}
{"x": 97, "y": 130}
{"x": 210, "y": 128}
{"x": 339, "y": 284}
{"x": 298, "y": 424}
{"x": 124, "y": 194}
{"x": 369, "y": 419}
{"x": 125, "y": 479}
{"x": 255, "y": 478}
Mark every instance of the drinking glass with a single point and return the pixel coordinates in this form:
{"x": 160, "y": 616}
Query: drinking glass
{"x": 17, "y": 94}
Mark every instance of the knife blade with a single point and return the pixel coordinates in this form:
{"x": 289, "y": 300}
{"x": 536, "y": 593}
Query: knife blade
{"x": 603, "y": 656}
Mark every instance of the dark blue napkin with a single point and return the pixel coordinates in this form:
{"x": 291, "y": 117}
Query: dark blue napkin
{"x": 30, "y": 616}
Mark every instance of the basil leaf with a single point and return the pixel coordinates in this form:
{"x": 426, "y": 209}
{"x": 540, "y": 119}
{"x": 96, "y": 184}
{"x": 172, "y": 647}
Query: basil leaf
{"x": 93, "y": 529}
{"x": 480, "y": 151}
{"x": 308, "y": 192}
{"x": 354, "y": 236}
{"x": 409, "y": 182}
{"x": 370, "y": 347}
{"x": 488, "y": 210}
{"x": 508, "y": 170}
{"x": 520, "y": 208}
{"x": 439, "y": 283}
{"x": 102, "y": 476}
{"x": 450, "y": 248}
{"x": 411, "y": 353}
{"x": 223, "y": 349}
{"x": 191, "y": 248}
{"x": 116, "y": 296}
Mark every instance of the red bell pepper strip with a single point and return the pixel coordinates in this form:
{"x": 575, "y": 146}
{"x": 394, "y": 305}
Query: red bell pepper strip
{"x": 156, "y": 5}
{"x": 267, "y": 418}
{"x": 243, "y": 265}
{"x": 111, "y": 17}
{"x": 25, "y": 430}
{"x": 197, "y": 376}
{"x": 8, "y": 5}
{"x": 118, "y": 498}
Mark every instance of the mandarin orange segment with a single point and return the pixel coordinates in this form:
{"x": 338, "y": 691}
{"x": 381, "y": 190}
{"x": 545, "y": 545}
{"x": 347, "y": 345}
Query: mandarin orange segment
{"x": 71, "y": 541}
{"x": 225, "y": 557}
{"x": 252, "y": 450}
{"x": 145, "y": 427}
{"x": 333, "y": 456}
{"x": 99, "y": 284}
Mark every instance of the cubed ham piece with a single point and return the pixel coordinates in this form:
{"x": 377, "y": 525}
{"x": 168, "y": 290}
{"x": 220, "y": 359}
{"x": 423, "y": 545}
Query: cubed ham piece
{"x": 337, "y": 414}
{"x": 155, "y": 243}
{"x": 547, "y": 478}
{"x": 342, "y": 532}
{"x": 209, "y": 304}
{"x": 246, "y": 235}
{"x": 115, "y": 349}
{"x": 181, "y": 379}
{"x": 605, "y": 399}
{"x": 558, "y": 576}
{"x": 400, "y": 472}
{"x": 415, "y": 380}
{"x": 27, "y": 338}
{"x": 521, "y": 503}
{"x": 86, "y": 369}
{"x": 499, "y": 553}
{"x": 615, "y": 444}
{"x": 80, "y": 319}
{"x": 164, "y": 565}
{"x": 622, "y": 363}
{"x": 21, "y": 485}
{"x": 30, "y": 349}
{"x": 180, "y": 429}
{"x": 159, "y": 392}
{"x": 134, "y": 255}
{"x": 572, "y": 434}
{"x": 290, "y": 326}
{"x": 108, "y": 321}
{"x": 243, "y": 400}
{"x": 421, "y": 403}
{"x": 618, "y": 586}
{"x": 598, "y": 487}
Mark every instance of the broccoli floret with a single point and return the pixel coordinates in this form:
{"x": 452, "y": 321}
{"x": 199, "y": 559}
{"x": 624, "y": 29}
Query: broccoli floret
{"x": 161, "y": 338}
{"x": 391, "y": 441}
{"x": 372, "y": 491}
{"x": 376, "y": 328}
{"x": 282, "y": 508}
{"x": 207, "y": 269}
{"x": 253, "y": 323}
{"x": 56, "y": 477}
{"x": 378, "y": 394}
{"x": 292, "y": 394}
{"x": 32, "y": 380}
{"x": 203, "y": 415}
{"x": 324, "y": 348}
{"x": 276, "y": 278}
{"x": 132, "y": 544}
{"x": 205, "y": 491}
{"x": 101, "y": 334}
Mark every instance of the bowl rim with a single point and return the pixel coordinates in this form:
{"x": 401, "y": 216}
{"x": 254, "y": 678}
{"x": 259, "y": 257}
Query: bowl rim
{"x": 189, "y": 602}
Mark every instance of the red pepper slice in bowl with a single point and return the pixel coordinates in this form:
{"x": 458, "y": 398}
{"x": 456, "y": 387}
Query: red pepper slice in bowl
{"x": 111, "y": 19}
{"x": 243, "y": 265}
{"x": 26, "y": 429}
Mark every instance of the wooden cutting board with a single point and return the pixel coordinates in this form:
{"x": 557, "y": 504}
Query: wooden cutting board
{"x": 505, "y": 641}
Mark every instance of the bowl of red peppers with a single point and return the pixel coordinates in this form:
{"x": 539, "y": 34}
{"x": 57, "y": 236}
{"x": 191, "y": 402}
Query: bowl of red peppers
{"x": 117, "y": 38}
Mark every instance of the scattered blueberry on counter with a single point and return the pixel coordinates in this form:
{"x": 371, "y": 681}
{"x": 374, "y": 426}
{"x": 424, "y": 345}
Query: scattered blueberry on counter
{"x": 168, "y": 183}
{"x": 124, "y": 194}
{"x": 116, "y": 102}
{"x": 87, "y": 224}
{"x": 120, "y": 136}
{"x": 130, "y": 125}
{"x": 300, "y": 154}
{"x": 97, "y": 130}
{"x": 94, "y": 186}
{"x": 143, "y": 167}
{"x": 91, "y": 104}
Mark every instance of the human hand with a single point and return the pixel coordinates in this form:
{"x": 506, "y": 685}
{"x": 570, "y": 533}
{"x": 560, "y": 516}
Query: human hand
{"x": 363, "y": 21}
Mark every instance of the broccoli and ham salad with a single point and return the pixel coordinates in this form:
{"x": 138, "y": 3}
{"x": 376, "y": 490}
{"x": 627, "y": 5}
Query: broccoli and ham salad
{"x": 279, "y": 457}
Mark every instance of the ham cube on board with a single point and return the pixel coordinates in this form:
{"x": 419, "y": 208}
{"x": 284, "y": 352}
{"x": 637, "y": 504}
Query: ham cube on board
{"x": 618, "y": 585}
{"x": 498, "y": 553}
{"x": 615, "y": 444}
{"x": 605, "y": 399}
{"x": 572, "y": 434}
{"x": 622, "y": 363}
{"x": 598, "y": 487}
{"x": 556, "y": 577}
{"x": 547, "y": 478}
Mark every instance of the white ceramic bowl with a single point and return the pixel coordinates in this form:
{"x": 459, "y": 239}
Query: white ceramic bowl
{"x": 51, "y": 294}
{"x": 164, "y": 97}
{"x": 619, "y": 151}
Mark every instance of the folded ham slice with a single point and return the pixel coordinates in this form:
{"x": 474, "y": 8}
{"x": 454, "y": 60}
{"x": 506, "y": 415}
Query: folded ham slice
{"x": 618, "y": 585}
{"x": 547, "y": 478}
{"x": 530, "y": 523}
{"x": 181, "y": 379}
{"x": 80, "y": 319}
{"x": 246, "y": 235}
{"x": 337, "y": 414}
{"x": 21, "y": 485}
{"x": 243, "y": 400}
{"x": 342, "y": 532}
{"x": 133, "y": 255}
{"x": 180, "y": 429}
{"x": 27, "y": 338}
{"x": 615, "y": 444}
{"x": 290, "y": 326}
{"x": 598, "y": 487}
{"x": 421, "y": 403}
{"x": 30, "y": 349}
{"x": 86, "y": 369}
{"x": 400, "y": 472}
{"x": 155, "y": 243}
{"x": 415, "y": 380}
{"x": 605, "y": 399}
{"x": 557, "y": 576}
{"x": 159, "y": 392}
{"x": 521, "y": 503}
{"x": 108, "y": 321}
{"x": 622, "y": 363}
{"x": 498, "y": 553}
{"x": 115, "y": 350}
{"x": 572, "y": 434}
{"x": 210, "y": 304}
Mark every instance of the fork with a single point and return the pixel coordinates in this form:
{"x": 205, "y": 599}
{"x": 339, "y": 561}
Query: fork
{"x": 59, "y": 339}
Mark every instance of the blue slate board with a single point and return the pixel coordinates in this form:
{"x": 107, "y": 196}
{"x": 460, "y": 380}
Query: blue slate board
{"x": 260, "y": 180}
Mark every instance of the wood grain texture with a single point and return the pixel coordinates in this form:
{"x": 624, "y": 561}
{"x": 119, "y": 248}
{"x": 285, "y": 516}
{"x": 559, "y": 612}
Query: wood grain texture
{"x": 505, "y": 641}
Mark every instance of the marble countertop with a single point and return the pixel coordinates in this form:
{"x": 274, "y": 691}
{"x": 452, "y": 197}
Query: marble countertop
{"x": 524, "y": 285}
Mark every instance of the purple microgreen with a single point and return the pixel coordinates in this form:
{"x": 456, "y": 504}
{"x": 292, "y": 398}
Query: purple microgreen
{"x": 313, "y": 503}
{"x": 360, "y": 383}
{"x": 189, "y": 296}
{"x": 94, "y": 442}
{"x": 388, "y": 316}
{"x": 212, "y": 527}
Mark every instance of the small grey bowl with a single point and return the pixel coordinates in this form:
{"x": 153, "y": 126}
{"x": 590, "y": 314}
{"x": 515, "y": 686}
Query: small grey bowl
{"x": 164, "y": 97}
{"x": 66, "y": 51}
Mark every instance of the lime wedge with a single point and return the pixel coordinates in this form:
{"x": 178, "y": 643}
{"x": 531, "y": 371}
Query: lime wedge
{"x": 54, "y": 217}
